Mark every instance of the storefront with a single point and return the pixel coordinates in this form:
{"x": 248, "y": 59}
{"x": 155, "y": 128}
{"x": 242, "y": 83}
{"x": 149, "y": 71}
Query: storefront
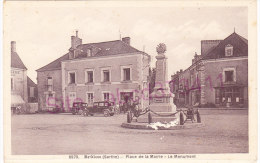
{"x": 229, "y": 95}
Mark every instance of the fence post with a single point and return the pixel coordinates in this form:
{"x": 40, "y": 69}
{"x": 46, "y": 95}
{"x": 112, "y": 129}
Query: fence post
{"x": 181, "y": 119}
{"x": 149, "y": 118}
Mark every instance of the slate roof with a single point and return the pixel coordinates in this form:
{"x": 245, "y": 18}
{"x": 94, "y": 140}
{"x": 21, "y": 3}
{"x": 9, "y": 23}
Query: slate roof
{"x": 16, "y": 61}
{"x": 101, "y": 49}
{"x": 239, "y": 43}
{"x": 107, "y": 48}
{"x": 56, "y": 64}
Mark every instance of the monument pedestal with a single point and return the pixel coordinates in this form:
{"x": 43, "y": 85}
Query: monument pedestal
{"x": 162, "y": 108}
{"x": 156, "y": 118}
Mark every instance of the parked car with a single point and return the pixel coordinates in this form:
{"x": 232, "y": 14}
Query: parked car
{"x": 104, "y": 107}
{"x": 16, "y": 109}
{"x": 78, "y": 107}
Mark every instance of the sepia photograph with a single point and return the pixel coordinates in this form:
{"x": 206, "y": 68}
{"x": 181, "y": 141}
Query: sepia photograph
{"x": 113, "y": 80}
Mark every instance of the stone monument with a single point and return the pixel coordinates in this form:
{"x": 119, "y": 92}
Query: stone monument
{"x": 161, "y": 101}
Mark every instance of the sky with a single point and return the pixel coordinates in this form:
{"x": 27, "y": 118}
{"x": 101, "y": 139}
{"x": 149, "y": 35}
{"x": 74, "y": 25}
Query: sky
{"x": 42, "y": 34}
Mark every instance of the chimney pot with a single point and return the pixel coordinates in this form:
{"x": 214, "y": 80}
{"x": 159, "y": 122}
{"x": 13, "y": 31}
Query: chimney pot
{"x": 75, "y": 41}
{"x": 126, "y": 40}
{"x": 77, "y": 33}
{"x": 13, "y": 46}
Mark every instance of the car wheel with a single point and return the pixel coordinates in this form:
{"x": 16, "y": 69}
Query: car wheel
{"x": 106, "y": 113}
{"x": 80, "y": 112}
{"x": 85, "y": 113}
{"x": 117, "y": 110}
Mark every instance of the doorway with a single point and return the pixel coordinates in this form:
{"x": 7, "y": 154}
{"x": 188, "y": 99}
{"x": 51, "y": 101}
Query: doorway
{"x": 126, "y": 96}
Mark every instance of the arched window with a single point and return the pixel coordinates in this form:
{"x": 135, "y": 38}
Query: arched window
{"x": 229, "y": 50}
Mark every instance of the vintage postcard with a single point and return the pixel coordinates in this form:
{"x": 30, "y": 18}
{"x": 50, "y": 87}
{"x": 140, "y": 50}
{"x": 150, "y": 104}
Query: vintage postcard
{"x": 93, "y": 81}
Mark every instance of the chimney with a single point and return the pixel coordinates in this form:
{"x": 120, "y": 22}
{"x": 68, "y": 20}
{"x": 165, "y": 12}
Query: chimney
{"x": 195, "y": 59}
{"x": 13, "y": 46}
{"x": 75, "y": 41}
{"x": 126, "y": 40}
{"x": 207, "y": 45}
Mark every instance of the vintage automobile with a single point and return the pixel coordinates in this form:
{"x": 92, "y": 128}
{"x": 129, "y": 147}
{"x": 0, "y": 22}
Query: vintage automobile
{"x": 78, "y": 107}
{"x": 104, "y": 107}
{"x": 16, "y": 109}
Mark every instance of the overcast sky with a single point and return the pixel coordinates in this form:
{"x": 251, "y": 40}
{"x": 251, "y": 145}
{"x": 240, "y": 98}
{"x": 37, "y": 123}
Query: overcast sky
{"x": 43, "y": 34}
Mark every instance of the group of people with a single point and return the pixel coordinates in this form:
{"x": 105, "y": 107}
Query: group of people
{"x": 129, "y": 105}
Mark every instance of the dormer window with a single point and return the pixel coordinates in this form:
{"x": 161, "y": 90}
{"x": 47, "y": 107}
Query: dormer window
{"x": 89, "y": 52}
{"x": 228, "y": 50}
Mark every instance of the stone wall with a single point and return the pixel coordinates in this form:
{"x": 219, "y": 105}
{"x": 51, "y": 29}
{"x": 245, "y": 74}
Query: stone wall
{"x": 42, "y": 87}
{"x": 19, "y": 77}
{"x": 214, "y": 70}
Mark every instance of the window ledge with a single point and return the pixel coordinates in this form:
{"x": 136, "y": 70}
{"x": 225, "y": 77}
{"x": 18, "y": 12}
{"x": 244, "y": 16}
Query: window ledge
{"x": 72, "y": 84}
{"x": 126, "y": 81}
{"x": 229, "y": 82}
{"x": 106, "y": 82}
{"x": 228, "y": 55}
{"x": 89, "y": 83}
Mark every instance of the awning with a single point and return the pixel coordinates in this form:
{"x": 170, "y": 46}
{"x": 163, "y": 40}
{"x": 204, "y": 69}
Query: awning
{"x": 230, "y": 85}
{"x": 16, "y": 99}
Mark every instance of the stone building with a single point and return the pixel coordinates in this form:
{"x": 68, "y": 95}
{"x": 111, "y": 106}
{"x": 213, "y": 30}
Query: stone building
{"x": 18, "y": 78}
{"x": 174, "y": 87}
{"x": 219, "y": 76}
{"x": 112, "y": 70}
{"x": 23, "y": 89}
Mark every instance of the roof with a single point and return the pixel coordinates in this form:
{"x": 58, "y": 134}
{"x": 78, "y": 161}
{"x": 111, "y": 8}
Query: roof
{"x": 56, "y": 64}
{"x": 107, "y": 48}
{"x": 30, "y": 83}
{"x": 101, "y": 49}
{"x": 239, "y": 43}
{"x": 16, "y": 61}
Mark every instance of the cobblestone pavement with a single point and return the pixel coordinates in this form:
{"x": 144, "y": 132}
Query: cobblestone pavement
{"x": 225, "y": 131}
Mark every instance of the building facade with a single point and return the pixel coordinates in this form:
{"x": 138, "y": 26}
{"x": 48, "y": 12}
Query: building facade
{"x": 217, "y": 77}
{"x": 113, "y": 71}
{"x": 18, "y": 78}
{"x": 23, "y": 89}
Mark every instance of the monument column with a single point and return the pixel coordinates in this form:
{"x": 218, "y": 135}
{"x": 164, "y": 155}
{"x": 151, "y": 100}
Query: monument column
{"x": 161, "y": 101}
{"x": 161, "y": 79}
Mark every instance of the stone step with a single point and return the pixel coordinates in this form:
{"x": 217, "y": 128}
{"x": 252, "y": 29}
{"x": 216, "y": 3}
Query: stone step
{"x": 144, "y": 119}
{"x": 164, "y": 114}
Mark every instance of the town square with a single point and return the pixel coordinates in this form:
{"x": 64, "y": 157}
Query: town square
{"x": 63, "y": 134}
{"x": 102, "y": 81}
